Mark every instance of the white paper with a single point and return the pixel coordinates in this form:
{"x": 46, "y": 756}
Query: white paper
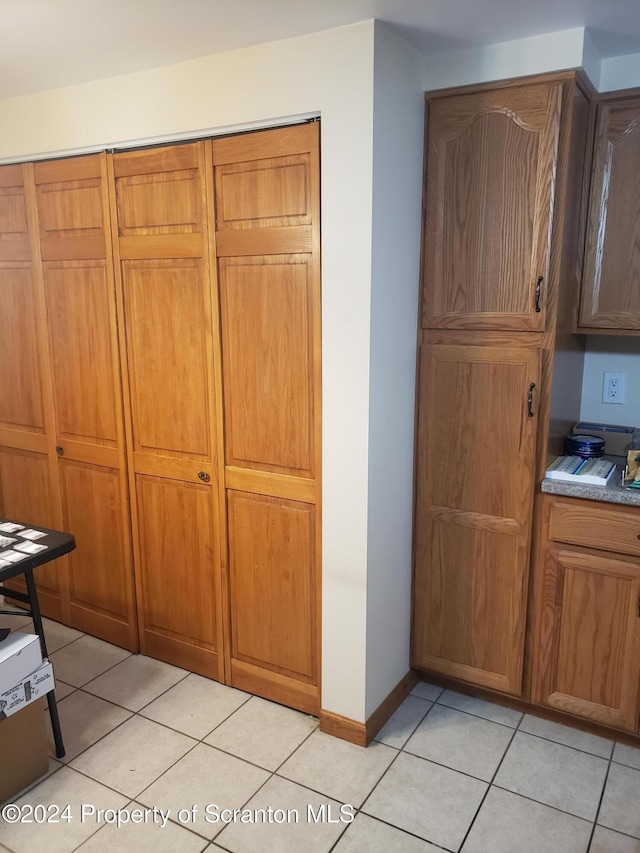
{"x": 30, "y": 547}
{"x": 10, "y": 527}
{"x": 4, "y": 564}
{"x": 6, "y": 540}
{"x": 31, "y": 534}
{"x": 12, "y": 556}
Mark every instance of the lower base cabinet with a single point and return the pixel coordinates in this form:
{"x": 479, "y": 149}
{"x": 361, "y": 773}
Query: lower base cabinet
{"x": 587, "y": 613}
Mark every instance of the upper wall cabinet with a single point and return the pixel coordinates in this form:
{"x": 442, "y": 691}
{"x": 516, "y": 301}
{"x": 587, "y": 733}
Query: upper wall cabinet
{"x": 490, "y": 169}
{"x": 611, "y": 281}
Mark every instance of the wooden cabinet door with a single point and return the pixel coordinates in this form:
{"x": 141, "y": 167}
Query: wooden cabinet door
{"x": 490, "y": 168}
{"x": 475, "y": 483}
{"x": 27, "y": 474}
{"x": 587, "y": 656}
{"x": 77, "y": 271}
{"x": 166, "y": 323}
{"x": 611, "y": 279}
{"x": 267, "y": 245}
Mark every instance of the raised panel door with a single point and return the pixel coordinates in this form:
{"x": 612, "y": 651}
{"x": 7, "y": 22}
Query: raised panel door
{"x": 475, "y": 478}
{"x": 490, "y": 169}
{"x": 268, "y": 263}
{"x": 587, "y": 660}
{"x": 611, "y": 279}
{"x": 162, "y": 246}
{"x": 77, "y": 273}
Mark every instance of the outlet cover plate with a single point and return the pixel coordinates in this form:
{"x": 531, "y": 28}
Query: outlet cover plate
{"x": 613, "y": 387}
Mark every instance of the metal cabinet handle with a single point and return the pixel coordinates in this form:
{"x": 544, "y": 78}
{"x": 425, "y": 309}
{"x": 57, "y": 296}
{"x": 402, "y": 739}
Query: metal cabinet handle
{"x": 59, "y": 450}
{"x": 530, "y": 400}
{"x": 537, "y": 296}
{"x": 204, "y": 476}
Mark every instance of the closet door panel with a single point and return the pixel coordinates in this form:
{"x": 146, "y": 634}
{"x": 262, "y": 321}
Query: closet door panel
{"x": 163, "y": 250}
{"x": 268, "y": 251}
{"x": 26, "y": 496}
{"x": 178, "y": 572}
{"x": 268, "y": 365}
{"x": 79, "y": 288}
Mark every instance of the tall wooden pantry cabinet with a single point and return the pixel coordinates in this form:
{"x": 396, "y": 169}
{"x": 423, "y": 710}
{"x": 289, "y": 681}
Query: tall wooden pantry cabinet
{"x": 502, "y": 169}
{"x": 160, "y": 323}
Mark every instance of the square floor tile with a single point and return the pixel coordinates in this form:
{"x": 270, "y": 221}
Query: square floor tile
{"x": 85, "y": 659}
{"x": 195, "y": 706}
{"x": 507, "y": 823}
{"x": 62, "y": 690}
{"x": 402, "y": 724}
{"x": 144, "y": 837}
{"x": 553, "y": 774}
{"x": 620, "y": 804}
{"x": 84, "y": 719}
{"x": 263, "y": 733}
{"x": 607, "y": 841}
{"x": 629, "y": 755}
{"x": 62, "y": 788}
{"x": 15, "y": 622}
{"x": 567, "y": 735}
{"x": 205, "y": 777}
{"x": 368, "y": 835}
{"x": 461, "y": 741}
{"x": 427, "y": 691}
{"x": 136, "y": 681}
{"x": 427, "y": 800}
{"x": 480, "y": 708}
{"x": 57, "y": 635}
{"x": 133, "y": 756}
{"x": 338, "y": 769}
{"x": 298, "y": 830}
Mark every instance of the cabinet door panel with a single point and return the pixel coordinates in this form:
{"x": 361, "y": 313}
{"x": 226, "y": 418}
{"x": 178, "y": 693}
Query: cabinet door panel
{"x": 178, "y": 572}
{"x": 490, "y": 168}
{"x": 473, "y": 518}
{"x": 588, "y": 656}
{"x": 611, "y": 281}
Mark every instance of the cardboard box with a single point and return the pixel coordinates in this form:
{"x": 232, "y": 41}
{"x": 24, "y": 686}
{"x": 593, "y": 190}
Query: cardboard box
{"x": 27, "y": 691}
{"x": 617, "y": 437}
{"x": 20, "y": 655}
{"x": 23, "y": 750}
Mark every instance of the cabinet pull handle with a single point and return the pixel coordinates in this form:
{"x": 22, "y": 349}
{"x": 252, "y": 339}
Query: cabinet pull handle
{"x": 537, "y": 297}
{"x": 59, "y": 450}
{"x": 530, "y": 400}
{"x": 204, "y": 476}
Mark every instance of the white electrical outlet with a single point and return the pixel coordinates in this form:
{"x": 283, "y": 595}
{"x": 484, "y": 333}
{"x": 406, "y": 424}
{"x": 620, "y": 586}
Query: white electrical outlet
{"x": 613, "y": 387}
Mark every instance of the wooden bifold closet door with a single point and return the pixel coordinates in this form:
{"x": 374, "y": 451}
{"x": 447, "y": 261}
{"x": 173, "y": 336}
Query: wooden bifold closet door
{"x": 162, "y": 248}
{"x": 267, "y": 246}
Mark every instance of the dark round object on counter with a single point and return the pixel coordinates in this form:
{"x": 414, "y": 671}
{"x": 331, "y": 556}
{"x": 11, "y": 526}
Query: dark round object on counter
{"x": 586, "y": 446}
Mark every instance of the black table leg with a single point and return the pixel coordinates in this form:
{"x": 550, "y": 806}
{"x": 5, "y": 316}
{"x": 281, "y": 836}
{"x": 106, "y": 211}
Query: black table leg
{"x": 51, "y": 696}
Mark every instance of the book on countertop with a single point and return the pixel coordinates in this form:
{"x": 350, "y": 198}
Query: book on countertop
{"x": 575, "y": 469}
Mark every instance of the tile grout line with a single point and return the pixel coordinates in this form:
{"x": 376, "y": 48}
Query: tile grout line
{"x": 600, "y": 799}
{"x": 490, "y": 785}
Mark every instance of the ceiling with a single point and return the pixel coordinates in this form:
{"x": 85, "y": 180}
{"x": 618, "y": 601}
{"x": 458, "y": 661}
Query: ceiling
{"x": 46, "y": 44}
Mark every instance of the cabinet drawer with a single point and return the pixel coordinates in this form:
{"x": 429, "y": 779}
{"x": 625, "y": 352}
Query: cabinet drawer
{"x": 593, "y": 527}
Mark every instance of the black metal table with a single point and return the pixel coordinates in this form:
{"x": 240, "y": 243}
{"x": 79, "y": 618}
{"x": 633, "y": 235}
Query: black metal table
{"x": 55, "y": 545}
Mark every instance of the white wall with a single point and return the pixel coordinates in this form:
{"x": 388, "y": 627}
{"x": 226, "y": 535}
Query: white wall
{"x": 330, "y": 73}
{"x": 620, "y": 72}
{"x": 619, "y": 354}
{"x": 518, "y": 58}
{"x": 398, "y": 119}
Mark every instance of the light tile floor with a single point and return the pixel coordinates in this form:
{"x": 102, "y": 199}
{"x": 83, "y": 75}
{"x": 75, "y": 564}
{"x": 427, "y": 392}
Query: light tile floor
{"x": 447, "y": 772}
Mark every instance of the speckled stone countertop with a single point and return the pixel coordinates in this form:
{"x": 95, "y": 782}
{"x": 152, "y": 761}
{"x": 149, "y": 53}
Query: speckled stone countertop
{"x": 612, "y": 493}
